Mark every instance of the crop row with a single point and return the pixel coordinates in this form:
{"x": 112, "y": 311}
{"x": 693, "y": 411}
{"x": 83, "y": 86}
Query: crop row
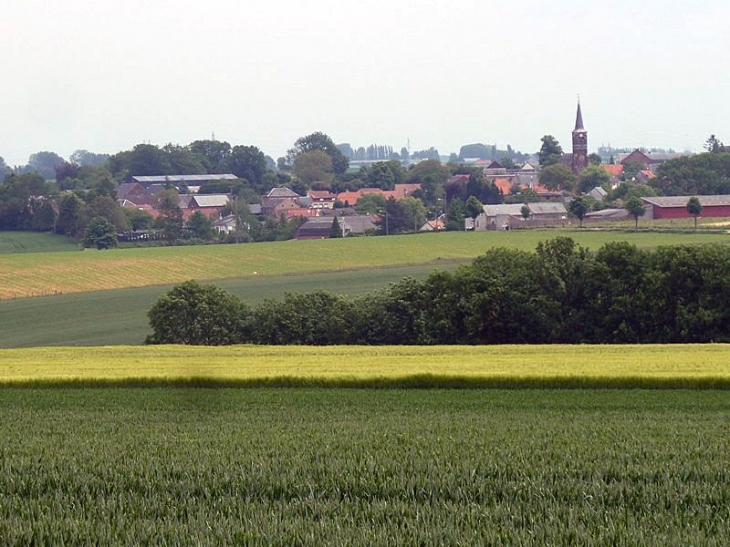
{"x": 351, "y": 467}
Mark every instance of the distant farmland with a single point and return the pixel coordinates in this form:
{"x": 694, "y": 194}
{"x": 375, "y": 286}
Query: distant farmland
{"x": 34, "y": 274}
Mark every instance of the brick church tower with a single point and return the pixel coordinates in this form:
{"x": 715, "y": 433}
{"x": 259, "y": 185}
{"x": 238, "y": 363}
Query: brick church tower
{"x": 579, "y": 160}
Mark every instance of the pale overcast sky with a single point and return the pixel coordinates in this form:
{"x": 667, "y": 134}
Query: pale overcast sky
{"x": 104, "y": 76}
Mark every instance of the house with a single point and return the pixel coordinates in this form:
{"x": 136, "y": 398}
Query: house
{"x": 322, "y": 199}
{"x": 278, "y": 200}
{"x": 211, "y": 205}
{"x": 357, "y": 224}
{"x": 615, "y": 170}
{"x": 509, "y": 215}
{"x": 598, "y": 193}
{"x": 648, "y": 160}
{"x": 225, "y": 225}
{"x": 676, "y": 206}
{"x": 400, "y": 191}
{"x": 315, "y": 228}
{"x": 437, "y": 225}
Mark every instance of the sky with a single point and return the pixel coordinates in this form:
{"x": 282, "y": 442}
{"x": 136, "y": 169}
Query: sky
{"x": 104, "y": 76}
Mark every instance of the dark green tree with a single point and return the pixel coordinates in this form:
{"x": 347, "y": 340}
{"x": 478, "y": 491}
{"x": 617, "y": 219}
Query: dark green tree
{"x": 594, "y": 159}
{"x": 336, "y": 230}
{"x": 525, "y": 212}
{"x": 579, "y": 209}
{"x": 200, "y": 226}
{"x": 70, "y": 215}
{"x": 170, "y": 220}
{"x": 370, "y": 204}
{"x": 694, "y": 208}
{"x": 199, "y": 315}
{"x": 635, "y": 207}
{"x": 713, "y": 145}
{"x": 474, "y": 207}
{"x": 550, "y": 151}
{"x": 593, "y": 176}
{"x": 557, "y": 177}
{"x": 320, "y": 141}
{"x": 100, "y": 233}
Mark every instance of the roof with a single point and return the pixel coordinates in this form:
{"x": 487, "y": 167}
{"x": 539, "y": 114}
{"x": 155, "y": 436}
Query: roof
{"x": 348, "y": 197}
{"x": 503, "y": 209}
{"x": 211, "y": 200}
{"x": 547, "y": 208}
{"x": 504, "y": 184}
{"x": 681, "y": 201}
{"x": 613, "y": 169}
{"x": 183, "y": 178}
{"x": 282, "y": 193}
{"x": 579, "y": 120}
{"x": 357, "y": 224}
{"x": 229, "y": 220}
{"x": 608, "y": 214}
{"x": 322, "y": 194}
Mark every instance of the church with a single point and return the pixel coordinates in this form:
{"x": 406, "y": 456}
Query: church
{"x": 578, "y": 160}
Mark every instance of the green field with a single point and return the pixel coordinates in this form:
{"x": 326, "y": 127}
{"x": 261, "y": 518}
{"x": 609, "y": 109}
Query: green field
{"x": 34, "y": 242}
{"x": 86, "y": 301}
{"x": 363, "y": 467}
{"x": 31, "y": 274}
{"x": 567, "y": 366}
{"x": 119, "y": 317}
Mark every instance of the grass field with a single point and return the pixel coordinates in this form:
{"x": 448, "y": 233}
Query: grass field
{"x": 34, "y": 242}
{"x": 119, "y": 317}
{"x": 660, "y": 366}
{"x": 364, "y": 467}
{"x": 31, "y": 274}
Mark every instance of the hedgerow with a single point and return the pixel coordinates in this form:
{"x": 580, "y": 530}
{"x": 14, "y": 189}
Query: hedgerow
{"x": 562, "y": 293}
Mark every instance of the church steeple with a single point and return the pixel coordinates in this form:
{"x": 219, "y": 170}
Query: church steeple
{"x": 580, "y": 144}
{"x": 579, "y": 119}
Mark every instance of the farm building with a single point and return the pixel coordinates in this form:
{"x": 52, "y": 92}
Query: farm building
{"x": 676, "y": 206}
{"x": 509, "y": 215}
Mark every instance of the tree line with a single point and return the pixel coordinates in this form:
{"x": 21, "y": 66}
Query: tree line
{"x": 561, "y": 293}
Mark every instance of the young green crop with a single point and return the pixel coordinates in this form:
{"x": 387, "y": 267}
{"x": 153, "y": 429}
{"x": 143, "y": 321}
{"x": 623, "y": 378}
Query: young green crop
{"x": 363, "y": 467}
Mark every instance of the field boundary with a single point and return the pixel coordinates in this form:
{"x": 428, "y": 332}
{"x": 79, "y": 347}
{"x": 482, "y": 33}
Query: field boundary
{"x": 416, "y": 381}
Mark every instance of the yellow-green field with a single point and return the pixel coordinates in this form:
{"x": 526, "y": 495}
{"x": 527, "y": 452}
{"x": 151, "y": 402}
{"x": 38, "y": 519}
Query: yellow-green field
{"x": 34, "y": 274}
{"x": 416, "y": 366}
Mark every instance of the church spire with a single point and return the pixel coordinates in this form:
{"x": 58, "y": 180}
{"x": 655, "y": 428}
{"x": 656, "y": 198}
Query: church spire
{"x": 579, "y": 119}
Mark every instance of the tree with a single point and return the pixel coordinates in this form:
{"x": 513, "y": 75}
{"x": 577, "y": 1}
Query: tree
{"x": 45, "y": 163}
{"x": 593, "y": 176}
{"x": 370, "y": 204}
{"x": 313, "y": 167}
{"x": 594, "y": 159}
{"x": 636, "y": 208}
{"x": 100, "y": 233}
{"x": 694, "y": 208}
{"x": 713, "y": 145}
{"x": 322, "y": 142}
{"x": 139, "y": 219}
{"x": 4, "y": 169}
{"x": 107, "y": 207}
{"x": 557, "y": 177}
{"x": 215, "y": 154}
{"x": 171, "y": 216}
{"x": 200, "y": 226}
{"x": 198, "y": 315}
{"x": 393, "y": 219}
{"x": 415, "y": 212}
{"x": 578, "y": 208}
{"x": 474, "y": 207}
{"x": 336, "y": 231}
{"x": 525, "y": 212}
{"x": 85, "y": 158}
{"x": 550, "y": 151}
{"x": 455, "y": 215}
{"x": 70, "y": 212}
{"x": 631, "y": 169}
{"x": 246, "y": 162}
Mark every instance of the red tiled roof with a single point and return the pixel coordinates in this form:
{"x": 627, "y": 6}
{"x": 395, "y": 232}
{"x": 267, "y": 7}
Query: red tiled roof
{"x": 648, "y": 173}
{"x": 615, "y": 170}
{"x": 504, "y": 184}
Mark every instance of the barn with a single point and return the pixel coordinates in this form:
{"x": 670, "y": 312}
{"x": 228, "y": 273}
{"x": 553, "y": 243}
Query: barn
{"x": 676, "y": 206}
